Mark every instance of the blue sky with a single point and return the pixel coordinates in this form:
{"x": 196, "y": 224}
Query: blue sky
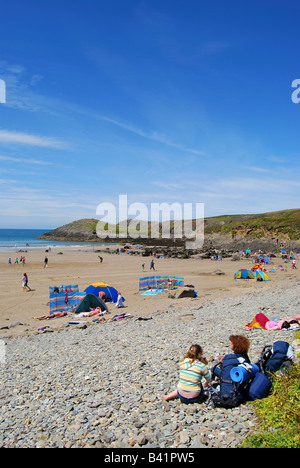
{"x": 164, "y": 101}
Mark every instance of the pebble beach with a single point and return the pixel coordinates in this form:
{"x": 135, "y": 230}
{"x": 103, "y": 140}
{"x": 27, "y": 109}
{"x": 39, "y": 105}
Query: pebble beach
{"x": 99, "y": 384}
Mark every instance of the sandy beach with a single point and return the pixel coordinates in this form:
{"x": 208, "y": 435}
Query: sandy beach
{"x": 122, "y": 271}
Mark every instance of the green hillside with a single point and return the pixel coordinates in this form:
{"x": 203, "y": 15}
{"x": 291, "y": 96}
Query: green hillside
{"x": 284, "y": 225}
{"x": 277, "y": 224}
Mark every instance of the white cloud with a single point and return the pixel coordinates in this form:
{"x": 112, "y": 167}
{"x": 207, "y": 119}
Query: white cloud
{"x": 257, "y": 169}
{"x": 12, "y": 137}
{"x": 25, "y": 161}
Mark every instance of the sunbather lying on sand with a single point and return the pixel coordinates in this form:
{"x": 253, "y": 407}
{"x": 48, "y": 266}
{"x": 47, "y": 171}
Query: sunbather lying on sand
{"x": 51, "y": 316}
{"x": 261, "y": 321}
{"x": 97, "y": 311}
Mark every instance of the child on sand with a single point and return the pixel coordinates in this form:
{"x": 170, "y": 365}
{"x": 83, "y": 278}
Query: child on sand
{"x": 193, "y": 368}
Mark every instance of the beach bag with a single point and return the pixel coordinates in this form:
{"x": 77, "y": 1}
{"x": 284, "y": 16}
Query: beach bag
{"x": 259, "y": 387}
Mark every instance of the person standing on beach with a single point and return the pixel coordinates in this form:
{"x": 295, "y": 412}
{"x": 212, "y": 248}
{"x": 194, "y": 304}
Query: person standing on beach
{"x": 152, "y": 265}
{"x": 25, "y": 283}
{"x": 120, "y": 300}
{"x": 46, "y": 262}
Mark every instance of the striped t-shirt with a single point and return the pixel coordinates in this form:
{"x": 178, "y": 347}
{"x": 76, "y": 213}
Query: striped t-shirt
{"x": 191, "y": 374}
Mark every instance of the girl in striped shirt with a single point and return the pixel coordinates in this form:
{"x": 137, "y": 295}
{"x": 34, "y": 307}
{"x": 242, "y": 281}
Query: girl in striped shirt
{"x": 193, "y": 368}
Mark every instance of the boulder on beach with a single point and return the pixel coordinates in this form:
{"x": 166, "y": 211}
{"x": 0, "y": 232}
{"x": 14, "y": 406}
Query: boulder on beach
{"x": 185, "y": 292}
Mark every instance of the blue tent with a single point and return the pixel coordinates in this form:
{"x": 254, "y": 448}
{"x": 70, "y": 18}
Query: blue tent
{"x": 261, "y": 276}
{"x": 110, "y": 292}
{"x": 246, "y": 274}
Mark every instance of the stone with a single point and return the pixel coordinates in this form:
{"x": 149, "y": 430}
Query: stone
{"x": 185, "y": 292}
{"x": 69, "y": 388}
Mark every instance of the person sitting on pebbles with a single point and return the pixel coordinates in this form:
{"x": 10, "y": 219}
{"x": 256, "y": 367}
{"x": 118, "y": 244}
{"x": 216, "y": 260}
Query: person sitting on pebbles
{"x": 193, "y": 368}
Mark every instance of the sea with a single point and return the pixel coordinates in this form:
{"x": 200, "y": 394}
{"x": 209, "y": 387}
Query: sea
{"x": 12, "y": 240}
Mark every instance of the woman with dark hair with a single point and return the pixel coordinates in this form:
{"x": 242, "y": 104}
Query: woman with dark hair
{"x": 193, "y": 368}
{"x": 229, "y": 394}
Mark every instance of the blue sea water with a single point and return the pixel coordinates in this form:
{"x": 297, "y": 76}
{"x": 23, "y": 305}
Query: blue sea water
{"x": 21, "y": 237}
{"x": 15, "y": 239}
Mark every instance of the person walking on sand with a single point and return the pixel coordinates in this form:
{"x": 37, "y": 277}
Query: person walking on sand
{"x": 152, "y": 265}
{"x": 46, "y": 262}
{"x": 25, "y": 283}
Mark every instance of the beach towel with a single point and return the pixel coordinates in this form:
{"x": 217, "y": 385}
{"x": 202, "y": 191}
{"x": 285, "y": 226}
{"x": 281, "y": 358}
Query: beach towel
{"x": 259, "y": 321}
{"x": 152, "y": 293}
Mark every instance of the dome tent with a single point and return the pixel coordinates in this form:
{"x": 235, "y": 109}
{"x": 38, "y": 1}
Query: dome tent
{"x": 262, "y": 276}
{"x": 244, "y": 274}
{"x": 90, "y": 301}
{"x": 110, "y": 292}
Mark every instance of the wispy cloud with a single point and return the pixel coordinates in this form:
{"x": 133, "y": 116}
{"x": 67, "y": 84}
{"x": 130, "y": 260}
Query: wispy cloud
{"x": 25, "y": 161}
{"x": 258, "y": 169}
{"x": 22, "y": 96}
{"x": 12, "y": 137}
{"x": 278, "y": 159}
{"x": 151, "y": 135}
{"x": 169, "y": 186}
